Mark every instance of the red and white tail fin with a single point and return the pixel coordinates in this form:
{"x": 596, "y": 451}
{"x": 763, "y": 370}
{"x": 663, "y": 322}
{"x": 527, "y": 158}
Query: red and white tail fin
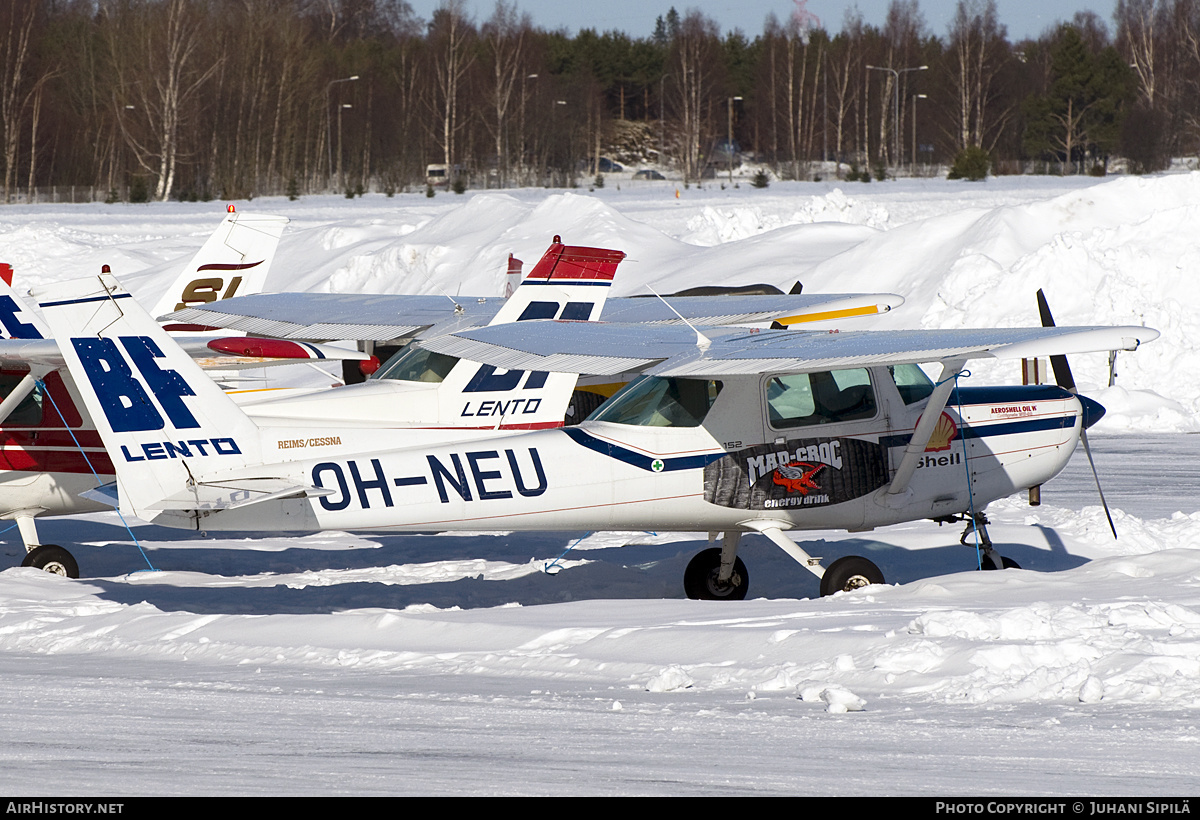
{"x": 17, "y": 319}
{"x": 512, "y": 279}
{"x": 233, "y": 262}
{"x": 569, "y": 283}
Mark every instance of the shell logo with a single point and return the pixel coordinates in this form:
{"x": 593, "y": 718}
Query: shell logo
{"x": 944, "y": 432}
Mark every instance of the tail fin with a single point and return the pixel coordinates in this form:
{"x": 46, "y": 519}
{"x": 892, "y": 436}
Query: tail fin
{"x": 568, "y": 283}
{"x": 234, "y": 261}
{"x": 164, "y": 422}
{"x": 512, "y": 279}
{"x": 17, "y": 319}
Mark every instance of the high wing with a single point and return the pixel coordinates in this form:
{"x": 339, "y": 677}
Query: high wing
{"x": 678, "y": 350}
{"x": 383, "y": 317}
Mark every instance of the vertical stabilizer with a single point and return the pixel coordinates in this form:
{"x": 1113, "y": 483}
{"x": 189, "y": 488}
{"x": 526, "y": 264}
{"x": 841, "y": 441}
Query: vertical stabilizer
{"x": 233, "y": 262}
{"x": 569, "y": 283}
{"x": 164, "y": 422}
{"x": 17, "y": 319}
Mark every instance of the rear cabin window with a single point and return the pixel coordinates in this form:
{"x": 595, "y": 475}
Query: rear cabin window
{"x": 804, "y": 399}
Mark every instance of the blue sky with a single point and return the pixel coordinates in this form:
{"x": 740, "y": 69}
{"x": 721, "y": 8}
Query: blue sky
{"x": 1024, "y": 18}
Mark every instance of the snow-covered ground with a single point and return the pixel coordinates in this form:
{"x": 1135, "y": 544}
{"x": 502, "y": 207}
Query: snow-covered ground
{"x": 453, "y": 664}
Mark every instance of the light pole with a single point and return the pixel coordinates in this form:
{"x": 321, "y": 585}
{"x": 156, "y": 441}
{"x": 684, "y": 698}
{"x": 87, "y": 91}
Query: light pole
{"x": 329, "y": 125}
{"x": 916, "y": 97}
{"x": 662, "y": 122}
{"x": 339, "y": 167}
{"x": 523, "y": 97}
{"x": 729, "y": 139}
{"x": 896, "y": 108}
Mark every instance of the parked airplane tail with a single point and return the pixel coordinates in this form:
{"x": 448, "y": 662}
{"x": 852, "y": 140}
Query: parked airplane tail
{"x": 568, "y": 283}
{"x": 152, "y": 404}
{"x": 17, "y": 319}
{"x": 233, "y": 262}
{"x": 580, "y": 276}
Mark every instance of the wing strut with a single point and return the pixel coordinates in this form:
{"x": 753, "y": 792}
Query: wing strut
{"x": 18, "y": 395}
{"x": 921, "y": 435}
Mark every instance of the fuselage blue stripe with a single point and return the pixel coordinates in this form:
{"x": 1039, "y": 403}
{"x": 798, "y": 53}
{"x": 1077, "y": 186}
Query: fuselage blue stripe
{"x": 640, "y": 460}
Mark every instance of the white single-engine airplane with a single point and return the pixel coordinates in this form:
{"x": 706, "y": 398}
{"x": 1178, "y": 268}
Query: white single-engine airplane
{"x": 731, "y": 431}
{"x": 433, "y": 397}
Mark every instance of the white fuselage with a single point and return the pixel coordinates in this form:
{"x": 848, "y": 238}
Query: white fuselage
{"x": 735, "y": 469}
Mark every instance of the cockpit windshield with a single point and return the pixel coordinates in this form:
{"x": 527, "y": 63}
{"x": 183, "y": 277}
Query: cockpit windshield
{"x": 652, "y": 401}
{"x": 911, "y": 382}
{"x": 417, "y": 364}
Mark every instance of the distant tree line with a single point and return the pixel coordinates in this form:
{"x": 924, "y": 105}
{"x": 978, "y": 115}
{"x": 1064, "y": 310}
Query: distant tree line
{"x": 158, "y": 99}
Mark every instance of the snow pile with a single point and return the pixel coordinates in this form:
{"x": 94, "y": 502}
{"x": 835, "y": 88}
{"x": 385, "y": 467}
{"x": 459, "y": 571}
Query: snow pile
{"x": 716, "y": 226}
{"x": 332, "y": 660}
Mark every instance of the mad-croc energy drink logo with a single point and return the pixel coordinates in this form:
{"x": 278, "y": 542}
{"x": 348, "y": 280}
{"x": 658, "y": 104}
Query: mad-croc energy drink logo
{"x": 797, "y": 477}
{"x": 795, "y": 474}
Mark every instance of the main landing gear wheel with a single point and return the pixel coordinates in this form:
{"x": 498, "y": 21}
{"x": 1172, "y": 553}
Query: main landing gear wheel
{"x": 52, "y": 558}
{"x": 849, "y": 572}
{"x": 989, "y": 563}
{"x": 700, "y": 581}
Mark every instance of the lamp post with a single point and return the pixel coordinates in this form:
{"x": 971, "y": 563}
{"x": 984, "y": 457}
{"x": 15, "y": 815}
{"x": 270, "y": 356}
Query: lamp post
{"x": 523, "y": 97}
{"x": 339, "y": 151}
{"x": 662, "y": 122}
{"x": 329, "y": 125}
{"x": 915, "y": 97}
{"x": 729, "y": 139}
{"x": 896, "y": 107}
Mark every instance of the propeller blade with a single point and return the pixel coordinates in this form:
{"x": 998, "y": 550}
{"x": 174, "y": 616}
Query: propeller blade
{"x": 1087, "y": 449}
{"x": 1062, "y": 375}
{"x": 1062, "y": 370}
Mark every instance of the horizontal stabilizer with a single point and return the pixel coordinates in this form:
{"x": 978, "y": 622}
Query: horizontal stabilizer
{"x": 235, "y": 493}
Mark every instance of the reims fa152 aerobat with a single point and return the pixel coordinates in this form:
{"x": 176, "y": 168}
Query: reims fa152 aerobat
{"x": 728, "y": 431}
{"x": 51, "y": 456}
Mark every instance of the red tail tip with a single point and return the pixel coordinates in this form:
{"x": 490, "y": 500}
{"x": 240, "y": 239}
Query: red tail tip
{"x": 369, "y": 366}
{"x": 6, "y": 273}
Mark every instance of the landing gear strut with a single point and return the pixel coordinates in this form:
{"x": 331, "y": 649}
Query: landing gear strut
{"x": 977, "y": 523}
{"x": 702, "y": 582}
{"x": 718, "y": 574}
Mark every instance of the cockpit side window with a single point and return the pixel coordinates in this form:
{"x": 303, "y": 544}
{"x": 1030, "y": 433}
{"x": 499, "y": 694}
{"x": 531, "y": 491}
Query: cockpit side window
{"x": 652, "y": 401}
{"x": 911, "y": 382}
{"x": 804, "y": 399}
{"x": 417, "y": 364}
